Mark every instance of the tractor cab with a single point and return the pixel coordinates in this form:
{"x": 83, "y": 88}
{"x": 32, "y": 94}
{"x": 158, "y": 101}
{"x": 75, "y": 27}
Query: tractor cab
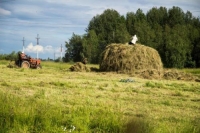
{"x": 23, "y": 56}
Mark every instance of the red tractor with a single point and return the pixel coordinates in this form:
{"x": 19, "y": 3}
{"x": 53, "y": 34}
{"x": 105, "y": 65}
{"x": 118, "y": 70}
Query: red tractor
{"x": 25, "y": 61}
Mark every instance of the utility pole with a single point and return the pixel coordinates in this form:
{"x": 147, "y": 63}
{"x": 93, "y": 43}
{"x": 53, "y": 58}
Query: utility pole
{"x": 61, "y": 53}
{"x": 23, "y": 44}
{"x": 37, "y": 39}
{"x": 37, "y": 43}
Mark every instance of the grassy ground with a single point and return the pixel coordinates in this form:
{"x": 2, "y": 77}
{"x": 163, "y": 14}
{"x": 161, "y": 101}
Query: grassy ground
{"x": 195, "y": 72}
{"x": 55, "y": 100}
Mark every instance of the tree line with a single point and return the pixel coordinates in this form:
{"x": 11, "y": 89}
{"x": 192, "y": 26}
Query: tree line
{"x": 12, "y": 56}
{"x": 173, "y": 33}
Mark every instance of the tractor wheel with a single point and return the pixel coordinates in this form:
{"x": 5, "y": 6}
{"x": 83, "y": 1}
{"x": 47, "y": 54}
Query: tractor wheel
{"x": 39, "y": 66}
{"x": 25, "y": 64}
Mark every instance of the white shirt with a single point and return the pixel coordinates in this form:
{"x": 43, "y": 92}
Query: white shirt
{"x": 134, "y": 39}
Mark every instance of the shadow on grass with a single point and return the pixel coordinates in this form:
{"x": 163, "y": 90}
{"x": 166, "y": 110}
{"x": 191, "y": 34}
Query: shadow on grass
{"x": 144, "y": 125}
{"x": 138, "y": 125}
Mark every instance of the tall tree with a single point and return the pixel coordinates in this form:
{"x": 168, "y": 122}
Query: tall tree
{"x": 130, "y": 21}
{"x": 176, "y": 46}
{"x": 140, "y": 16}
{"x": 74, "y": 48}
{"x": 110, "y": 27}
{"x": 90, "y": 47}
{"x": 157, "y": 16}
{"x": 175, "y": 16}
{"x": 195, "y": 35}
{"x": 143, "y": 29}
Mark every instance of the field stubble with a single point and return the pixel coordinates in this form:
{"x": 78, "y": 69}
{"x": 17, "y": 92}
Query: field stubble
{"x": 53, "y": 99}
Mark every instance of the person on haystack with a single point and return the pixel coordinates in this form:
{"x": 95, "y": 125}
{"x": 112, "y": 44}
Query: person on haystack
{"x": 134, "y": 39}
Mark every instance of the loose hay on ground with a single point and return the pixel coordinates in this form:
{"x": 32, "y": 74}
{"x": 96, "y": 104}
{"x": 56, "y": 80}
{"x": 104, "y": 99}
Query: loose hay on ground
{"x": 12, "y": 65}
{"x": 79, "y": 67}
{"x": 174, "y": 74}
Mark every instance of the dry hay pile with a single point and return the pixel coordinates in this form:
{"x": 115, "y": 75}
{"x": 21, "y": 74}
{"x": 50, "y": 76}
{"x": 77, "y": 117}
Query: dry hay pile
{"x": 79, "y": 67}
{"x": 12, "y": 65}
{"x": 137, "y": 59}
{"x": 173, "y": 74}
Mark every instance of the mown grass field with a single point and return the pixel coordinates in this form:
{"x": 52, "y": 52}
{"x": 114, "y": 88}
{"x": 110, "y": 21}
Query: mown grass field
{"x": 55, "y": 100}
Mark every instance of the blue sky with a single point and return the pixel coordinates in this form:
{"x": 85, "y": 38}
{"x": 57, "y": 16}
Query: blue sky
{"x": 56, "y": 20}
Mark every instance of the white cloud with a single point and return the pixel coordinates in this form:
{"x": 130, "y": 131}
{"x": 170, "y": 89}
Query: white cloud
{"x": 48, "y": 49}
{"x": 4, "y": 12}
{"x": 34, "y": 48}
{"x": 39, "y": 48}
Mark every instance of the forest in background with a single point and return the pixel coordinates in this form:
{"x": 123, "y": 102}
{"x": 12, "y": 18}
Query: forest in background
{"x": 173, "y": 33}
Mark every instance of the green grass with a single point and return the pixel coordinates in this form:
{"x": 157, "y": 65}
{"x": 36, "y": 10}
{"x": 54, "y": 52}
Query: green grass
{"x": 4, "y": 62}
{"x": 194, "y": 71}
{"x": 54, "y": 100}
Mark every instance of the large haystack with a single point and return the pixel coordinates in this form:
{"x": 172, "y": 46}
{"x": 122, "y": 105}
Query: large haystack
{"x": 132, "y": 59}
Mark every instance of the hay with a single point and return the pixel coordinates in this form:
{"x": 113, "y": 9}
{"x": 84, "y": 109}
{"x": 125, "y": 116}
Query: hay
{"x": 132, "y": 59}
{"x": 12, "y": 65}
{"x": 79, "y": 67}
{"x": 173, "y": 74}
